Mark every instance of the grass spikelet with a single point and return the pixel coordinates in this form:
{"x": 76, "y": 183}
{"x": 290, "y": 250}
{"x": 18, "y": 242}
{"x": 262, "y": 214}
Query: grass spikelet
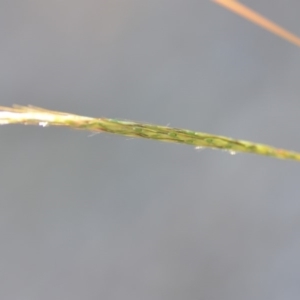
{"x": 30, "y": 115}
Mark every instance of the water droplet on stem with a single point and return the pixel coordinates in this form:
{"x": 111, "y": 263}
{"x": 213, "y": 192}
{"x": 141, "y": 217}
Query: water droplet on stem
{"x": 44, "y": 124}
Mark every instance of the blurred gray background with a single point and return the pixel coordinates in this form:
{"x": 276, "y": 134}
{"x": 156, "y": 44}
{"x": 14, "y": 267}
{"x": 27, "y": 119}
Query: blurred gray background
{"x": 105, "y": 217}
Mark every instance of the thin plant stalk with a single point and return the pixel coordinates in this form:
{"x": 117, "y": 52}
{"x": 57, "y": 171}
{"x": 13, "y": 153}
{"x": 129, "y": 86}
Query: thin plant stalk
{"x": 30, "y": 115}
{"x": 258, "y": 19}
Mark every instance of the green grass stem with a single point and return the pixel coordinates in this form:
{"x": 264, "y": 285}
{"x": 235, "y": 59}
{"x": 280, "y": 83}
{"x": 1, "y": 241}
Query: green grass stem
{"x": 37, "y": 116}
